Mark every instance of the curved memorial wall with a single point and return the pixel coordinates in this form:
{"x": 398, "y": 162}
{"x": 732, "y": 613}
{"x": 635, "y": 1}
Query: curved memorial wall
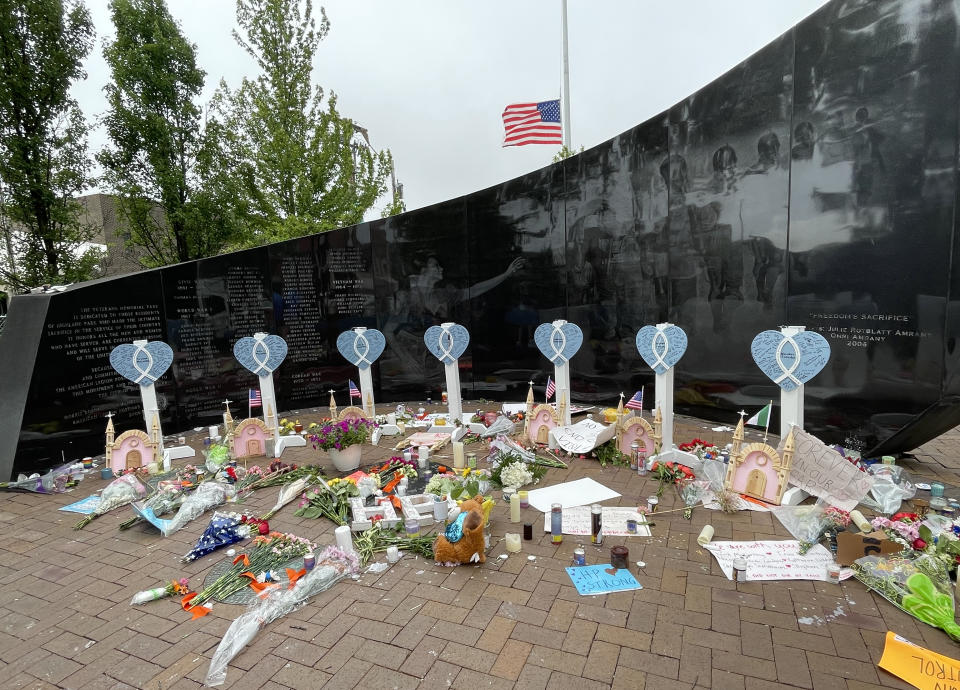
{"x": 815, "y": 184}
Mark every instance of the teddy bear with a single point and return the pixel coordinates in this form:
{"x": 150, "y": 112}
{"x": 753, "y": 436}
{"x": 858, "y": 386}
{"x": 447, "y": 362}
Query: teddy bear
{"x": 462, "y": 541}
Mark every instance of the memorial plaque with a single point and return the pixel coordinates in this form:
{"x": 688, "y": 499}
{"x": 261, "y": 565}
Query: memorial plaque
{"x": 209, "y": 305}
{"x": 74, "y": 385}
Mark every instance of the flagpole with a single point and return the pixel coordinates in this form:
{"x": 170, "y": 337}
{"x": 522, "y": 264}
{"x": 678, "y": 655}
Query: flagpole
{"x": 566, "y": 78}
{"x": 767, "y": 427}
{"x": 249, "y": 406}
{"x": 641, "y": 402}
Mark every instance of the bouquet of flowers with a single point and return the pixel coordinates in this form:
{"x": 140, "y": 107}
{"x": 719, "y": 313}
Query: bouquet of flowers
{"x": 119, "y": 492}
{"x": 208, "y": 495}
{"x": 217, "y": 456}
{"x": 288, "y": 493}
{"x": 442, "y": 484}
{"x": 670, "y": 473}
{"x": 332, "y": 565}
{"x": 702, "y": 449}
{"x": 917, "y": 537}
{"x": 269, "y": 552}
{"x": 340, "y": 435}
{"x": 377, "y": 539}
{"x": 175, "y": 587}
{"x": 225, "y": 529}
{"x": 921, "y": 587}
{"x": 806, "y": 523}
{"x": 165, "y": 501}
{"x": 510, "y": 469}
{"x": 329, "y": 499}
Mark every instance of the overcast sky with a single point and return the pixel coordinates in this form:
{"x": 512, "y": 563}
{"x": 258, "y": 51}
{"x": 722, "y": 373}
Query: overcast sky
{"x": 430, "y": 78}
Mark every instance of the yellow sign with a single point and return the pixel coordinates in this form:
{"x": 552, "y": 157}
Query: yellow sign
{"x": 918, "y": 666}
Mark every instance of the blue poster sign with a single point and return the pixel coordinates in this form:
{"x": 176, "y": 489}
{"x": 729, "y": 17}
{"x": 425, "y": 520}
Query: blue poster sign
{"x": 602, "y": 579}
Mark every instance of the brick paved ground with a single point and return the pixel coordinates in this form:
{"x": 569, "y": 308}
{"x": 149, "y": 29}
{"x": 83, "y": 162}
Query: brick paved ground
{"x": 65, "y": 618}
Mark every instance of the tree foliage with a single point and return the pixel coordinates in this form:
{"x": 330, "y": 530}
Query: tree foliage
{"x": 43, "y": 150}
{"x": 164, "y": 166}
{"x": 565, "y": 152}
{"x": 302, "y": 166}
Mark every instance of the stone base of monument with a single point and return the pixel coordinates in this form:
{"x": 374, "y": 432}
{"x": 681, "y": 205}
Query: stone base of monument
{"x": 291, "y": 441}
{"x": 176, "y": 453}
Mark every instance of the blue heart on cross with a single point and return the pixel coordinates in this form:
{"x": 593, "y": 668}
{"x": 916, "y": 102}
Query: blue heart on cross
{"x": 261, "y": 354}
{"x": 447, "y": 342}
{"x": 361, "y": 347}
{"x": 790, "y": 361}
{"x": 142, "y": 362}
{"x": 661, "y": 347}
{"x": 558, "y": 341}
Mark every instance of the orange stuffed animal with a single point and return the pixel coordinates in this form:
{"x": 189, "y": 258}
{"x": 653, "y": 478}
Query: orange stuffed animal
{"x": 462, "y": 541}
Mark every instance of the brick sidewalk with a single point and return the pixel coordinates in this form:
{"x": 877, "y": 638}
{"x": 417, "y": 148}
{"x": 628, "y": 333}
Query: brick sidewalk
{"x": 65, "y": 618}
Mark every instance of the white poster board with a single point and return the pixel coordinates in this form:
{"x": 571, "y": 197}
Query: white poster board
{"x": 772, "y": 560}
{"x": 576, "y": 522}
{"x": 568, "y": 494}
{"x": 583, "y": 436}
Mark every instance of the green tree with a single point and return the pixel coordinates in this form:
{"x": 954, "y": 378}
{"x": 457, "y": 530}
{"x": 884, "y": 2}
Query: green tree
{"x": 302, "y": 166}
{"x": 565, "y": 152}
{"x": 43, "y": 146}
{"x": 163, "y": 164}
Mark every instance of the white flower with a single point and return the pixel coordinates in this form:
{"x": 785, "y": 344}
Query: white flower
{"x": 515, "y": 475}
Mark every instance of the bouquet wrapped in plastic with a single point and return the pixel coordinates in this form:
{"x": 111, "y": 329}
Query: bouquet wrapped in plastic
{"x": 208, "y": 495}
{"x": 119, "y": 492}
{"x": 806, "y": 523}
{"x": 166, "y": 500}
{"x": 175, "y": 587}
{"x": 53, "y": 482}
{"x": 921, "y": 587}
{"x": 332, "y": 565}
{"x": 224, "y": 529}
{"x": 216, "y": 457}
{"x": 892, "y": 485}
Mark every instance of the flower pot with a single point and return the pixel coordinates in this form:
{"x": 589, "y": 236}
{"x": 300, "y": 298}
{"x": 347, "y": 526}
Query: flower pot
{"x": 346, "y": 460}
{"x": 298, "y": 427}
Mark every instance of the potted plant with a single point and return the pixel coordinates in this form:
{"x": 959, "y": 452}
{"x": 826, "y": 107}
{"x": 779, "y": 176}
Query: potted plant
{"x": 342, "y": 441}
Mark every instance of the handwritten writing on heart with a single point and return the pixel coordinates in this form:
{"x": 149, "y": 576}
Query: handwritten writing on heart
{"x": 790, "y": 361}
{"x": 447, "y": 343}
{"x": 661, "y": 347}
{"x": 261, "y": 354}
{"x": 558, "y": 342}
{"x": 610, "y": 571}
{"x": 142, "y": 362}
{"x": 361, "y": 348}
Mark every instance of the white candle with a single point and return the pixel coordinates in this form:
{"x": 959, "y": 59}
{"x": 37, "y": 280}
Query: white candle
{"x": 393, "y": 554}
{"x": 513, "y": 542}
{"x": 515, "y": 507}
{"x": 424, "y": 453}
{"x": 861, "y": 522}
{"x": 706, "y": 534}
{"x": 392, "y": 418}
{"x": 458, "y": 461}
{"x": 344, "y": 539}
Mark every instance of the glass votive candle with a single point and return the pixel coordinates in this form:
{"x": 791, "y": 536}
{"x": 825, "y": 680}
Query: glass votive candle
{"x": 412, "y": 527}
{"x": 524, "y": 499}
{"x": 619, "y": 557}
{"x": 393, "y": 554}
{"x": 936, "y": 489}
{"x": 513, "y": 542}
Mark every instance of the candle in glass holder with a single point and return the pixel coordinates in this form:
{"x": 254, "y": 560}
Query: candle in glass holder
{"x": 513, "y": 542}
{"x": 458, "y": 457}
{"x": 524, "y": 499}
{"x": 424, "y": 453}
{"x": 393, "y": 554}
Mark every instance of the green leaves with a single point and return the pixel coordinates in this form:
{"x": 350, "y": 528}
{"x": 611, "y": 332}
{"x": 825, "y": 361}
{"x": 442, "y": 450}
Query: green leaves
{"x": 930, "y": 606}
{"x": 302, "y": 167}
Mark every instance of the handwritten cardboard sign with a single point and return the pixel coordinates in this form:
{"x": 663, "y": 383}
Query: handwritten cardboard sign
{"x": 583, "y": 436}
{"x": 852, "y": 546}
{"x": 820, "y": 470}
{"x": 602, "y": 579}
{"x": 918, "y": 666}
{"x": 772, "y": 560}
{"x": 576, "y": 522}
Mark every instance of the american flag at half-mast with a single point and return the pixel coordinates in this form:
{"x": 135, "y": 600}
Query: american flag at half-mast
{"x": 636, "y": 402}
{"x": 532, "y": 123}
{"x": 254, "y": 398}
{"x": 551, "y": 388}
{"x": 354, "y": 391}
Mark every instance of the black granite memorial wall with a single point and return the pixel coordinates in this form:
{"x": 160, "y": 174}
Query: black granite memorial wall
{"x": 814, "y": 184}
